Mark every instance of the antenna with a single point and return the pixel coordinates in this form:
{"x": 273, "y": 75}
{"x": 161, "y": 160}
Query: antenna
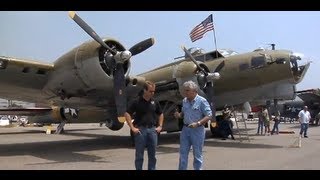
{"x": 273, "y": 46}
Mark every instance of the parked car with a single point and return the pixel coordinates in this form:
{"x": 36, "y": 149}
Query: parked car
{"x": 4, "y": 121}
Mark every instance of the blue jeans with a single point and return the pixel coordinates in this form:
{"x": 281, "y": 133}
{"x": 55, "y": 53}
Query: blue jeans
{"x": 304, "y": 128}
{"x": 148, "y": 138}
{"x": 191, "y": 137}
{"x": 275, "y": 127}
{"x": 260, "y": 127}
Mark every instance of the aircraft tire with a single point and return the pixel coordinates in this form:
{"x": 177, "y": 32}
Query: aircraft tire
{"x": 114, "y": 125}
{"x": 215, "y": 130}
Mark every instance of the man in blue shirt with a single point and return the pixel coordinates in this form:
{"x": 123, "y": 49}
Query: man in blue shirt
{"x": 196, "y": 112}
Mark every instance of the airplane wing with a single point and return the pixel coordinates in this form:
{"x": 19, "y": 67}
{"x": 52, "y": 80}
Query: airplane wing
{"x": 23, "y": 79}
{"x": 310, "y": 95}
{"x": 92, "y": 79}
{"x": 24, "y": 111}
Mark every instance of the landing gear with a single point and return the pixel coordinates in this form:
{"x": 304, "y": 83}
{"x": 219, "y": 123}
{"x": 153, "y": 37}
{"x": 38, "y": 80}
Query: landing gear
{"x": 214, "y": 127}
{"x": 60, "y": 128}
{"x": 222, "y": 128}
{"x": 171, "y": 124}
{"x": 114, "y": 125}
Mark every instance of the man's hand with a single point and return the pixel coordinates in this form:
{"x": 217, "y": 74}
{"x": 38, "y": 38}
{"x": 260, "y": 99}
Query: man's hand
{"x": 135, "y": 130}
{"x": 158, "y": 129}
{"x": 177, "y": 115}
{"x": 193, "y": 125}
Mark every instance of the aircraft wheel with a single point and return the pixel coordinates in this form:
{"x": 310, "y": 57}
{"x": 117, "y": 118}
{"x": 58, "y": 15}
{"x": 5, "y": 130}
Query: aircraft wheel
{"x": 214, "y": 126}
{"x": 171, "y": 123}
{"x": 114, "y": 125}
{"x": 213, "y": 129}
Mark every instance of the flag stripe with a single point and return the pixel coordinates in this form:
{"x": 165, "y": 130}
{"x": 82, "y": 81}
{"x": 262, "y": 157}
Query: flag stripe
{"x": 198, "y": 31}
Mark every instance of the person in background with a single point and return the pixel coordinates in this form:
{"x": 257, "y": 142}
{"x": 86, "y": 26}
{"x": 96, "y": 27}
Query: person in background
{"x": 227, "y": 124}
{"x": 275, "y": 128}
{"x": 304, "y": 119}
{"x": 260, "y": 122}
{"x": 266, "y": 121}
{"x": 317, "y": 119}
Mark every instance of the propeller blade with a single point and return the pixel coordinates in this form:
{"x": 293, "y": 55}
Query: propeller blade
{"x": 219, "y": 67}
{"x": 194, "y": 61}
{"x": 119, "y": 90}
{"x": 89, "y": 30}
{"x": 141, "y": 46}
{"x": 209, "y": 91}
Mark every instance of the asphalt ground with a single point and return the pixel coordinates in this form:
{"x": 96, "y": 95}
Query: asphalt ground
{"x": 90, "y": 147}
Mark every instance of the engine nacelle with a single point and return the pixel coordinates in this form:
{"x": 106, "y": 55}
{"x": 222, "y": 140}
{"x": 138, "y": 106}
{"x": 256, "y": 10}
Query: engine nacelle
{"x": 185, "y": 69}
{"x": 70, "y": 115}
{"x": 56, "y": 115}
{"x": 84, "y": 69}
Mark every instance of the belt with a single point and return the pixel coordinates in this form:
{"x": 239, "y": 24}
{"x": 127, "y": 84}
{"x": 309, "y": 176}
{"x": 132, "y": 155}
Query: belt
{"x": 146, "y": 126}
{"x": 187, "y": 125}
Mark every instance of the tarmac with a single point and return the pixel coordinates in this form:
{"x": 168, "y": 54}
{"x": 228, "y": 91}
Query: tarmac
{"x": 90, "y": 147}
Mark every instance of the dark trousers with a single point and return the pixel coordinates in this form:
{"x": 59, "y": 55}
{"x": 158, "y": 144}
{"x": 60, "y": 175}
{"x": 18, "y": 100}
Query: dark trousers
{"x": 275, "y": 127}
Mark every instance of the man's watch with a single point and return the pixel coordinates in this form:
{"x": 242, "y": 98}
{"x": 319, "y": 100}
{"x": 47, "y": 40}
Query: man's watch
{"x": 199, "y": 124}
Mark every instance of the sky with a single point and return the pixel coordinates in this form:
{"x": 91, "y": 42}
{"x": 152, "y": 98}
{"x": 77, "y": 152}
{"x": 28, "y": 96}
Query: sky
{"x": 45, "y": 36}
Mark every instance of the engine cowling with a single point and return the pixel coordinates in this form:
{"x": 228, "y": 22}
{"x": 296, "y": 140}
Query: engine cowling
{"x": 84, "y": 69}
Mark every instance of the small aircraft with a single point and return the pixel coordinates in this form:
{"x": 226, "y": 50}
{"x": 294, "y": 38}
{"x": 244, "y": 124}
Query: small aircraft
{"x": 91, "y": 83}
{"x": 310, "y": 98}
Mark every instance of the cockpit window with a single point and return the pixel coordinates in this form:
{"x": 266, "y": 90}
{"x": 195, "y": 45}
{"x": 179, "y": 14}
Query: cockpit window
{"x": 258, "y": 61}
{"x": 227, "y": 52}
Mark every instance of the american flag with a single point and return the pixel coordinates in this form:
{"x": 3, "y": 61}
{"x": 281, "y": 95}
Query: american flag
{"x": 201, "y": 29}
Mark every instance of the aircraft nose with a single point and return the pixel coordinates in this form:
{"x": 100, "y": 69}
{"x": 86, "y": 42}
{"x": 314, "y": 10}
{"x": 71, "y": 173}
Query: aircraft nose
{"x": 298, "y": 71}
{"x": 297, "y": 55}
{"x": 294, "y": 57}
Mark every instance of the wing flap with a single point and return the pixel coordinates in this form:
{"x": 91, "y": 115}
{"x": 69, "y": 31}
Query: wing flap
{"x": 24, "y": 111}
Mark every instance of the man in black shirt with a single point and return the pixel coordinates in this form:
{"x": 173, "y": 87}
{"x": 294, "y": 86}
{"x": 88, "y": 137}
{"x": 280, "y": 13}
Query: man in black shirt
{"x": 148, "y": 121}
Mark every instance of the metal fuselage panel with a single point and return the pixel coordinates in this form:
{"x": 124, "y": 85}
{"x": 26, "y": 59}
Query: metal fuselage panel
{"x": 237, "y": 85}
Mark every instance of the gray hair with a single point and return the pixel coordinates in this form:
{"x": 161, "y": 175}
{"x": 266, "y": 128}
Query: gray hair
{"x": 190, "y": 84}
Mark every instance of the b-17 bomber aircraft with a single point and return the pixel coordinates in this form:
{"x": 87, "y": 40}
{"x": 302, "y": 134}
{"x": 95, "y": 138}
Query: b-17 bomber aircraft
{"x": 91, "y": 83}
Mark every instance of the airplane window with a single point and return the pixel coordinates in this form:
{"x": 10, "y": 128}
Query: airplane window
{"x": 3, "y": 64}
{"x": 26, "y": 69}
{"x": 227, "y": 52}
{"x": 200, "y": 58}
{"x": 258, "y": 62}
{"x": 41, "y": 71}
{"x": 243, "y": 67}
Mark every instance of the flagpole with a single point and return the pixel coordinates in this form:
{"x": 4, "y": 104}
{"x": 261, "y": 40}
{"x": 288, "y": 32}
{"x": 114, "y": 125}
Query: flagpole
{"x": 214, "y": 38}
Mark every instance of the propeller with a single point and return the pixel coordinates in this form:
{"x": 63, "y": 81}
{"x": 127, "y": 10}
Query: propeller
{"x": 89, "y": 30}
{"x": 209, "y": 77}
{"x": 120, "y": 57}
{"x": 141, "y": 46}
